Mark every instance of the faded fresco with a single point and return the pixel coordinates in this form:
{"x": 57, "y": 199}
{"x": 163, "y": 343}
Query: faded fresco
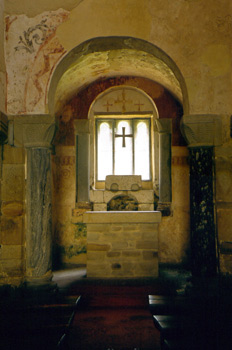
{"x": 32, "y": 51}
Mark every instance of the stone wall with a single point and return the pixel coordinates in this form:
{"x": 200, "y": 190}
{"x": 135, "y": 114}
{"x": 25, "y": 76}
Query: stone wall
{"x": 2, "y": 60}
{"x": 122, "y": 244}
{"x": 100, "y": 198}
{"x": 69, "y": 231}
{"x": 27, "y": 65}
{"x": 12, "y": 236}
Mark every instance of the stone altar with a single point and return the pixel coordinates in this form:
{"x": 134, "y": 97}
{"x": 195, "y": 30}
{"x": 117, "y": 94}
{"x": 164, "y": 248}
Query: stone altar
{"x": 122, "y": 244}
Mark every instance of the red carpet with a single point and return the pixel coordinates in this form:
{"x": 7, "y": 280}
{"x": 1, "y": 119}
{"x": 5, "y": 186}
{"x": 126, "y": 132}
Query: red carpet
{"x": 115, "y": 318}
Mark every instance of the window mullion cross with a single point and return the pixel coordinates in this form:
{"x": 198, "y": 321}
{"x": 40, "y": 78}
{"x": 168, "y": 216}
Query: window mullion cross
{"x": 123, "y": 135}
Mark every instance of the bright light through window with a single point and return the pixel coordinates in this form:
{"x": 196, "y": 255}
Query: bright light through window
{"x": 104, "y": 150}
{"x": 142, "y": 149}
{"x": 123, "y": 147}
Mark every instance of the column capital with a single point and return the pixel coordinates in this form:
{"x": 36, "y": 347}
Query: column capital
{"x": 3, "y": 128}
{"x": 33, "y": 131}
{"x": 201, "y": 130}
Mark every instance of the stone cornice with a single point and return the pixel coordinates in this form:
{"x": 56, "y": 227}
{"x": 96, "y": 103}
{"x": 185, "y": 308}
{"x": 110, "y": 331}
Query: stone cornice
{"x": 203, "y": 130}
{"x": 33, "y": 131}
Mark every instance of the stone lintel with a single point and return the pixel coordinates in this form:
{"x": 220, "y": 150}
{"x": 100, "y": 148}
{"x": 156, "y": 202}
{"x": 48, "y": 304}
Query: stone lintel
{"x": 122, "y": 217}
{"x": 33, "y": 131}
{"x": 202, "y": 130}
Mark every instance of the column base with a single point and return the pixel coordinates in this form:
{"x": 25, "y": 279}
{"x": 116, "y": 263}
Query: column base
{"x": 41, "y": 289}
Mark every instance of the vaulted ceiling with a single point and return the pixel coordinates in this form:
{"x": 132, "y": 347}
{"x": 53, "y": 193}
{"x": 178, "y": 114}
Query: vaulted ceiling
{"x": 112, "y": 57}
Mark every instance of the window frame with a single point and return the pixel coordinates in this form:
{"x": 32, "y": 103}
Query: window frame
{"x": 146, "y": 184}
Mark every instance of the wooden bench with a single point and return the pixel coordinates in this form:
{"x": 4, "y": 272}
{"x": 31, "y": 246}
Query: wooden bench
{"x": 181, "y": 344}
{"x": 177, "y": 319}
{"x": 165, "y": 305}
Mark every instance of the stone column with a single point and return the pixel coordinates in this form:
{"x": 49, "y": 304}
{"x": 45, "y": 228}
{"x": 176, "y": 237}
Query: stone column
{"x": 165, "y": 145}
{"x": 83, "y": 161}
{"x": 203, "y": 133}
{"x": 36, "y": 134}
{"x": 3, "y": 137}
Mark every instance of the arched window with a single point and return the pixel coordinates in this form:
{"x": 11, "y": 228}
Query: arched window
{"x": 123, "y": 139}
{"x": 123, "y": 146}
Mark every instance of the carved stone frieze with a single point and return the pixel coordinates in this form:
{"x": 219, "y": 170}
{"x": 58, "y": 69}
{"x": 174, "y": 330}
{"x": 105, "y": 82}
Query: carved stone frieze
{"x": 202, "y": 130}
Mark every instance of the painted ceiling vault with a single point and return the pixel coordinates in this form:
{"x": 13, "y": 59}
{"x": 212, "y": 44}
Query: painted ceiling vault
{"x": 114, "y": 63}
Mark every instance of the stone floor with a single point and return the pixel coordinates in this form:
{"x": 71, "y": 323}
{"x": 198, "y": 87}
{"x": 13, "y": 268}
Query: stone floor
{"x": 176, "y": 278}
{"x": 38, "y": 320}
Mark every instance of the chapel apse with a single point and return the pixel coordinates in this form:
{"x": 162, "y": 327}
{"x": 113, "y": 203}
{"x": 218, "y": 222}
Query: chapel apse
{"x": 70, "y": 245}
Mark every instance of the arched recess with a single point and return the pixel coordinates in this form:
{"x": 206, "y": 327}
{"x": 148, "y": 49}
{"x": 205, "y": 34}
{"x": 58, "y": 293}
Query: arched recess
{"x": 111, "y": 57}
{"x": 82, "y": 75}
{"x": 100, "y": 63}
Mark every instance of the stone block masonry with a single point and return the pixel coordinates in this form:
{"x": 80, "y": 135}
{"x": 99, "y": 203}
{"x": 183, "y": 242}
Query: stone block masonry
{"x": 122, "y": 244}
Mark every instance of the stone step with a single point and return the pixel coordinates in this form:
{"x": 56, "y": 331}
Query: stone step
{"x": 114, "y": 301}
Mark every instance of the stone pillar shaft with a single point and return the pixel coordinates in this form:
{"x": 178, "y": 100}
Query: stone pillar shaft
{"x": 82, "y": 131}
{"x": 164, "y": 168}
{"x": 164, "y": 127}
{"x": 203, "y": 133}
{"x": 203, "y": 235}
{"x": 83, "y": 167}
{"x": 35, "y": 133}
{"x": 3, "y": 136}
{"x": 39, "y": 216}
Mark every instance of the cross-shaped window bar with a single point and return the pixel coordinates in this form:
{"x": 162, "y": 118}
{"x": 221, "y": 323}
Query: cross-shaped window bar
{"x": 124, "y": 135}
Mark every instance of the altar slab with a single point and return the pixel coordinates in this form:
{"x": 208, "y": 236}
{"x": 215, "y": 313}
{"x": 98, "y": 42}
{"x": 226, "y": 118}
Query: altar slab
{"x": 122, "y": 244}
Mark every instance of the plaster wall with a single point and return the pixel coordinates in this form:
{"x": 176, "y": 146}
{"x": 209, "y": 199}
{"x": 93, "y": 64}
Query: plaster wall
{"x": 31, "y": 9}
{"x": 2, "y": 60}
{"x": 174, "y": 230}
{"x": 205, "y": 64}
{"x": 196, "y": 34}
{"x": 70, "y": 231}
{"x": 12, "y": 239}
